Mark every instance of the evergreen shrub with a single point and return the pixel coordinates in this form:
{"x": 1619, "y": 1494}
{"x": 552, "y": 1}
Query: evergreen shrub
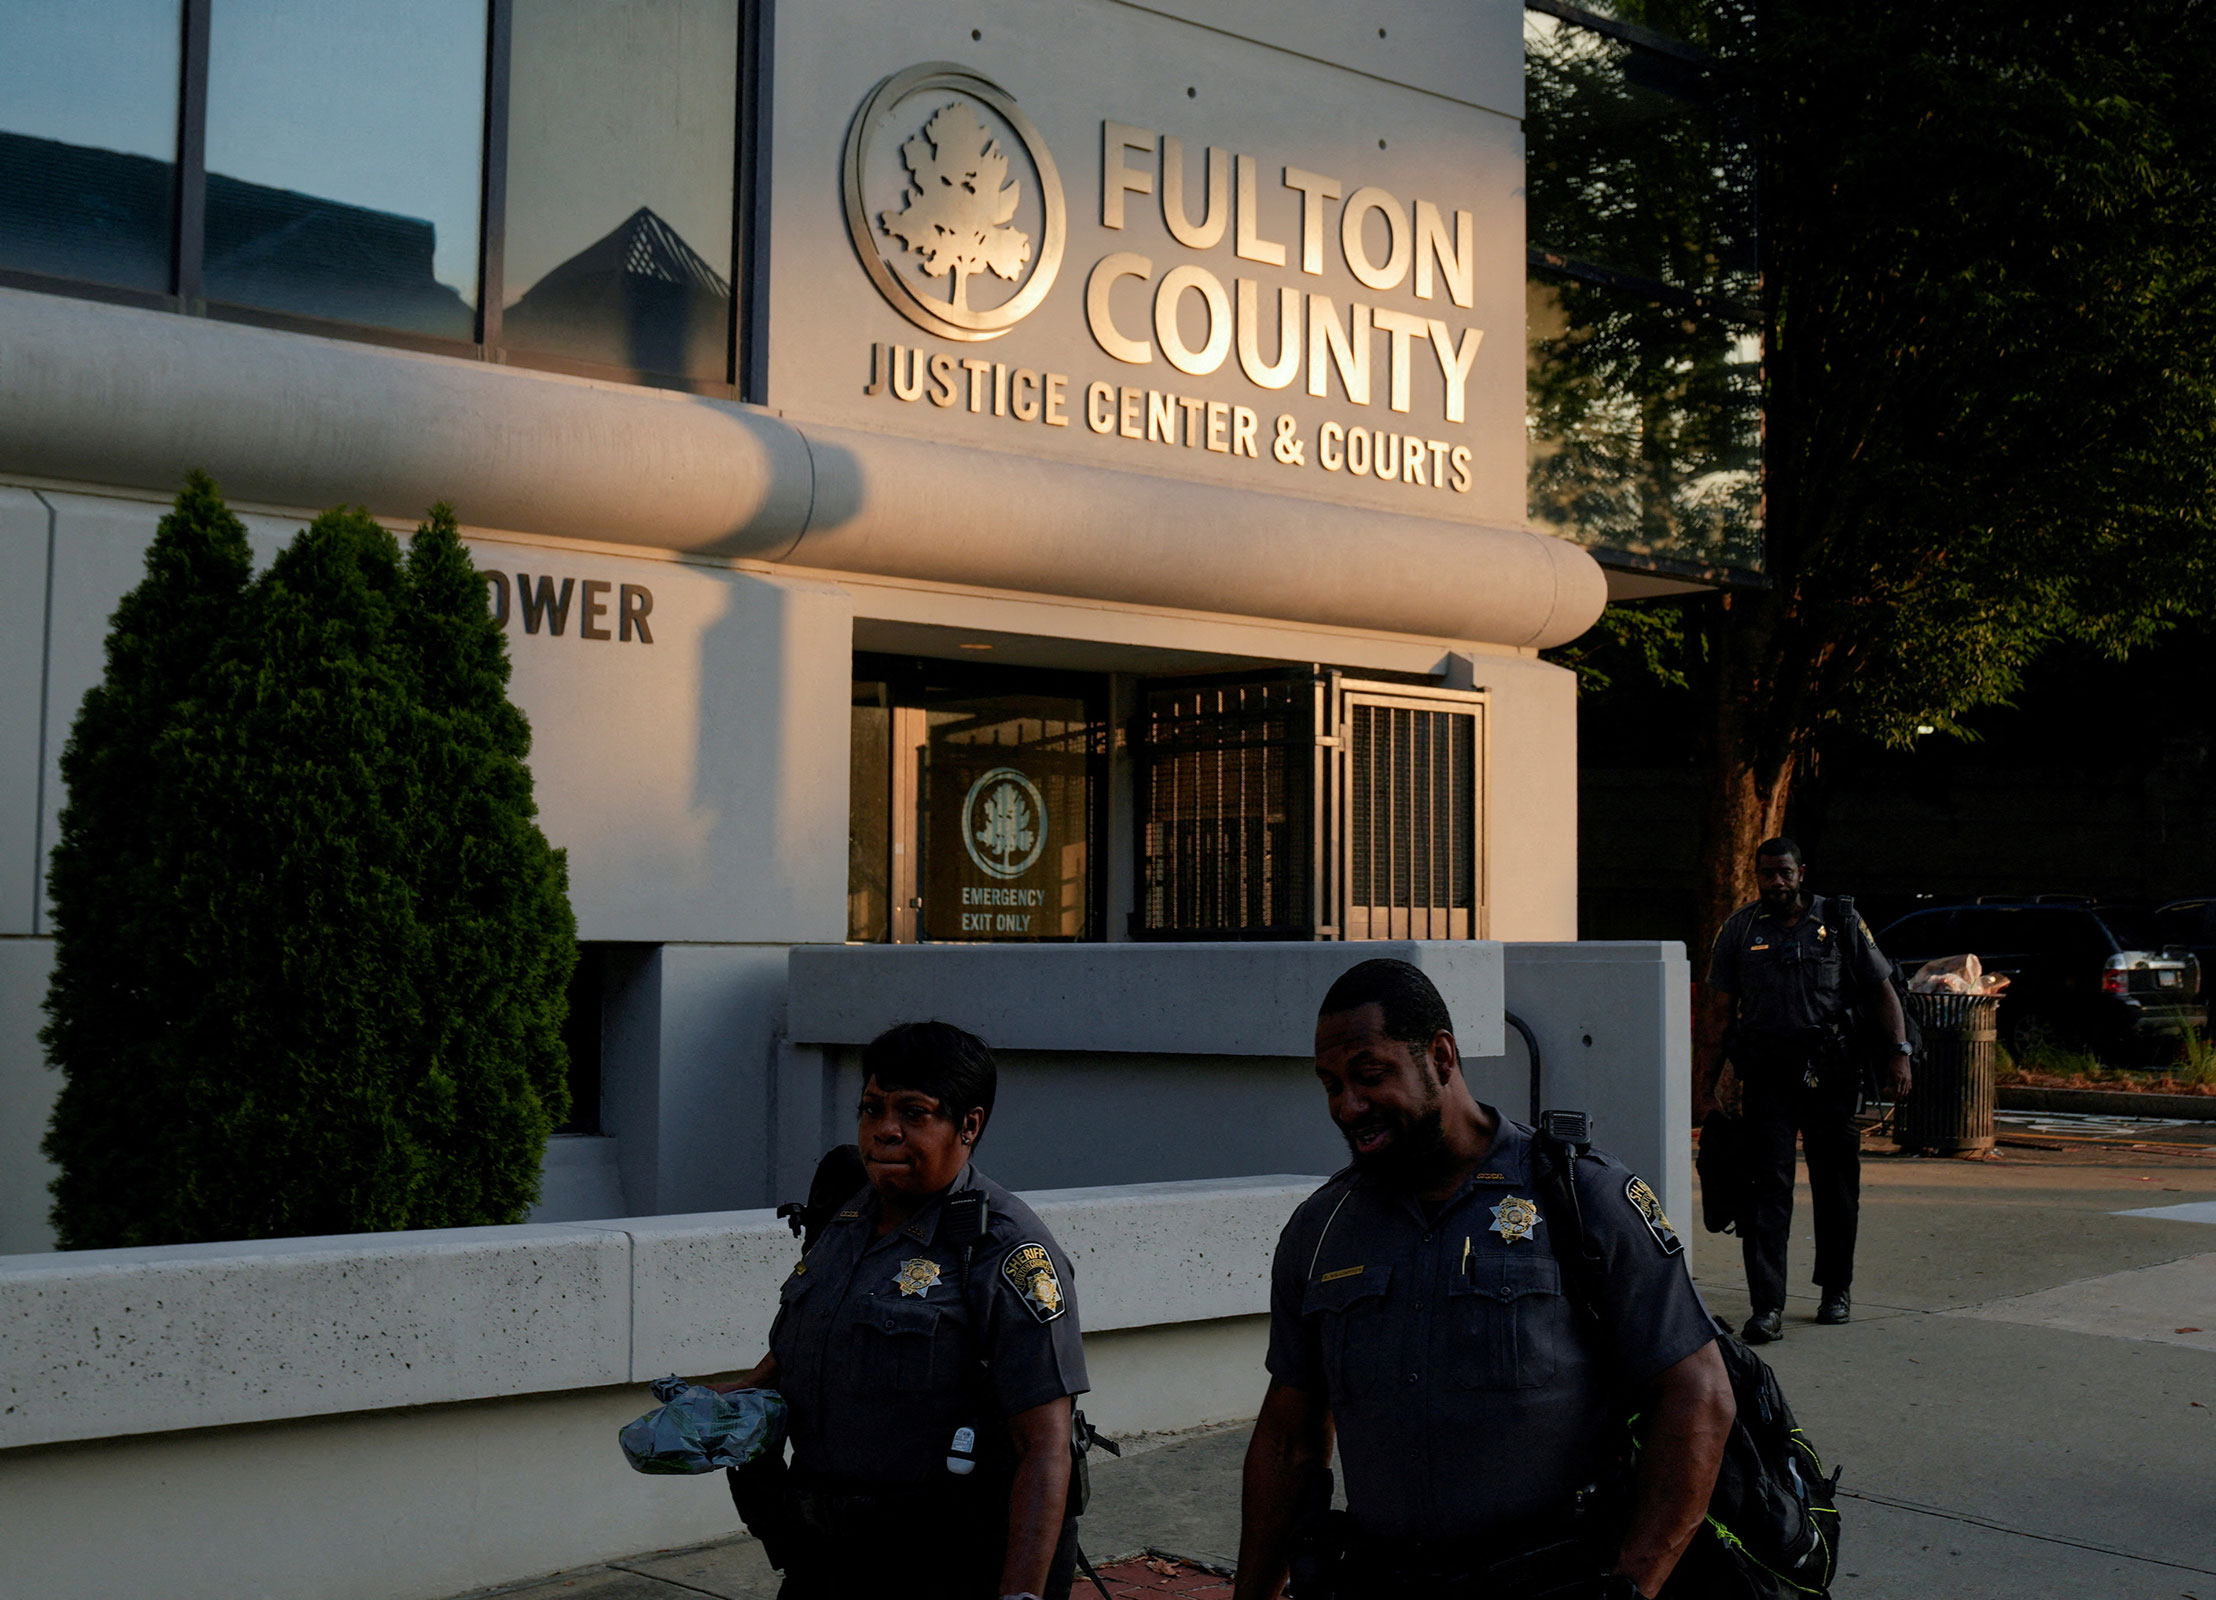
{"x": 331, "y": 943}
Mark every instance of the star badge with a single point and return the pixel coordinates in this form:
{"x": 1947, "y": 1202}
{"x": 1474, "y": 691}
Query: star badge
{"x": 1515, "y": 1217}
{"x": 916, "y": 1277}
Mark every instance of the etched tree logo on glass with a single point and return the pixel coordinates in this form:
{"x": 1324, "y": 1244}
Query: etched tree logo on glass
{"x": 1004, "y": 823}
{"x": 959, "y": 202}
{"x": 1007, "y": 828}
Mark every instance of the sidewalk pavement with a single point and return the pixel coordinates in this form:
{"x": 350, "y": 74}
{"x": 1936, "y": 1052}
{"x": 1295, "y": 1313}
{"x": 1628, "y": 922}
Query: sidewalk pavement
{"x": 2024, "y": 1404}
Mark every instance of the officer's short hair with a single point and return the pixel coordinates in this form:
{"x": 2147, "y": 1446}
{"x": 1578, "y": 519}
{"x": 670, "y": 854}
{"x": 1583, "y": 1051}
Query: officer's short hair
{"x": 950, "y": 1065}
{"x": 1414, "y": 1013}
{"x": 1780, "y": 846}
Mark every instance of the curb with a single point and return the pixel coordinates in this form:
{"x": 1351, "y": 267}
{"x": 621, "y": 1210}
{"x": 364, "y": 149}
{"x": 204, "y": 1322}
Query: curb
{"x": 2110, "y": 1102}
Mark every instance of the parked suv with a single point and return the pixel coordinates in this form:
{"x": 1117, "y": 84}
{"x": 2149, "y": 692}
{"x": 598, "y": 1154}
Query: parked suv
{"x": 2102, "y": 974}
{"x": 2190, "y": 923}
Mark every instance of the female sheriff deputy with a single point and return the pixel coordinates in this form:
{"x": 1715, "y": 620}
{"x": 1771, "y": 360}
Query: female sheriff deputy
{"x": 927, "y": 1349}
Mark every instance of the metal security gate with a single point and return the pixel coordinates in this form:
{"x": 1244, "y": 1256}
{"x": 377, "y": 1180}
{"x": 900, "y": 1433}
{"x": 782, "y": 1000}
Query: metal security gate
{"x": 1307, "y": 806}
{"x": 1414, "y": 792}
{"x": 1229, "y": 774}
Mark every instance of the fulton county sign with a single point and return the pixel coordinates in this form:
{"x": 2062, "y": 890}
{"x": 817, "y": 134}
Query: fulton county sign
{"x": 1295, "y": 276}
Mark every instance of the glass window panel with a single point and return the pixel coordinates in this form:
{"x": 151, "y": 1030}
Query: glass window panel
{"x": 1644, "y": 425}
{"x": 1630, "y": 166}
{"x": 869, "y": 837}
{"x": 345, "y": 160}
{"x": 88, "y": 138}
{"x": 622, "y": 139}
{"x": 1006, "y": 805}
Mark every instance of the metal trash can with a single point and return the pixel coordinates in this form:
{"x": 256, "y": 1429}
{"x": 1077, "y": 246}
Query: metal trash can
{"x": 1949, "y": 1109}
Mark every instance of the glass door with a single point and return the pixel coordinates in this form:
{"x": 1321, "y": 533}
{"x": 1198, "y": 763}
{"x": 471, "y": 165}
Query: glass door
{"x": 975, "y": 806}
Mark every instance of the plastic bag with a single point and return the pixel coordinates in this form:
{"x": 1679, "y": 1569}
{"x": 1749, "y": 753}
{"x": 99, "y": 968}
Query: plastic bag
{"x": 1963, "y": 974}
{"x": 696, "y": 1429}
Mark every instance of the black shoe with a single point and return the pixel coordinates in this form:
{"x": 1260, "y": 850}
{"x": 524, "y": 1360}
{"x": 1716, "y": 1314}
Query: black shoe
{"x": 1763, "y": 1327}
{"x": 1833, "y": 1310}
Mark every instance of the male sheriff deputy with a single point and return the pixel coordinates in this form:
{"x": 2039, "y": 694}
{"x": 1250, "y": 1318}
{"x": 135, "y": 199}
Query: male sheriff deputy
{"x": 1787, "y": 972}
{"x": 1418, "y": 1303}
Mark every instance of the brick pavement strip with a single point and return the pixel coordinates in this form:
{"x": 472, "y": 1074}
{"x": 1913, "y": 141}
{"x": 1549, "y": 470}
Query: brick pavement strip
{"x": 1155, "y": 1574}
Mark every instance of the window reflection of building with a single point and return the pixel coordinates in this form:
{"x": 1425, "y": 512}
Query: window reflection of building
{"x": 69, "y": 211}
{"x": 342, "y": 172}
{"x": 1643, "y": 386}
{"x": 88, "y": 140}
{"x": 343, "y": 160}
{"x": 621, "y": 173}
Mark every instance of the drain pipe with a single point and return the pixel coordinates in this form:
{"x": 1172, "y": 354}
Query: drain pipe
{"x": 1531, "y": 1048}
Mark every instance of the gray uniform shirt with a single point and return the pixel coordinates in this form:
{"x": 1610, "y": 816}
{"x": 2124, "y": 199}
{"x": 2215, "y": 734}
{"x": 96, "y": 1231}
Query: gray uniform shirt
{"x": 1468, "y": 1391}
{"x": 1788, "y": 980}
{"x": 878, "y": 1340}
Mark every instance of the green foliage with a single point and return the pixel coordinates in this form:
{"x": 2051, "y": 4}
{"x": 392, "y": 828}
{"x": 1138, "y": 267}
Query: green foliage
{"x": 363, "y": 936}
{"x": 118, "y": 989}
{"x": 2042, "y": 1049}
{"x": 1991, "y": 303}
{"x": 1645, "y": 643}
{"x": 2196, "y": 1066}
{"x": 1988, "y": 312}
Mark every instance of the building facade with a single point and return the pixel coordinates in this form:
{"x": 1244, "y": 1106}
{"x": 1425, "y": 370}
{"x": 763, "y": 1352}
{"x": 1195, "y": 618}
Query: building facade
{"x": 967, "y": 475}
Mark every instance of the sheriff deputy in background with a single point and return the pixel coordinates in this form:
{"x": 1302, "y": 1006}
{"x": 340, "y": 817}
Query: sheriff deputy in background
{"x": 1790, "y": 973}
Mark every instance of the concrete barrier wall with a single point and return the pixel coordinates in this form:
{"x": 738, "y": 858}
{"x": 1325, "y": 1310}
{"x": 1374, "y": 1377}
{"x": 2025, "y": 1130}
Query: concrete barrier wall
{"x": 1126, "y": 1061}
{"x": 400, "y": 1416}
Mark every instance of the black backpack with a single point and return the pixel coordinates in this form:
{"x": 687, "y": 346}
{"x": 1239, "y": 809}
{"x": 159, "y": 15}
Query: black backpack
{"x": 839, "y": 1177}
{"x": 1773, "y": 1515}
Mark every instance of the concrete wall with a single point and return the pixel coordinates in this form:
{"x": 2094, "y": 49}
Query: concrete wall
{"x": 1531, "y": 812}
{"x": 27, "y": 1090}
{"x": 698, "y": 781}
{"x": 1124, "y": 1063}
{"x": 1614, "y": 1025}
{"x": 388, "y": 1417}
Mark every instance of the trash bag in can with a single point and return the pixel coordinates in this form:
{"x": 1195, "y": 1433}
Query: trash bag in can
{"x": 696, "y": 1429}
{"x": 1949, "y": 1109}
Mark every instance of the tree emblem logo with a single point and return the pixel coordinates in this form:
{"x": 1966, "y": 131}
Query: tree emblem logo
{"x": 1004, "y": 823}
{"x": 963, "y": 234}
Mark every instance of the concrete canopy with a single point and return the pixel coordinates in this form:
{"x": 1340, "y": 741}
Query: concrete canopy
{"x": 102, "y": 394}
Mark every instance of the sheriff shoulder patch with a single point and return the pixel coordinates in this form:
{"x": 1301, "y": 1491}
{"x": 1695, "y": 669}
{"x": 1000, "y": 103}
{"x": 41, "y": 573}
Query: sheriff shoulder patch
{"x": 1030, "y": 1272}
{"x": 1649, "y": 1206}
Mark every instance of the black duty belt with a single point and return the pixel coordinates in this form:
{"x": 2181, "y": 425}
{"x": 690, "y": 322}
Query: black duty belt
{"x": 1556, "y": 1555}
{"x": 841, "y": 1508}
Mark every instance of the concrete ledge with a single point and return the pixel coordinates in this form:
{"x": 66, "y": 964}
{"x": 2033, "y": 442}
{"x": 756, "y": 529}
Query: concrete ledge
{"x": 427, "y": 1501}
{"x": 1172, "y": 999}
{"x": 1154, "y": 1253}
{"x": 95, "y": 1343}
{"x": 2109, "y": 1102}
{"x": 105, "y": 1343}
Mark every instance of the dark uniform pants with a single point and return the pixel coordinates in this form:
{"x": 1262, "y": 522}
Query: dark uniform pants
{"x": 943, "y": 1544}
{"x": 1561, "y": 1572}
{"x": 1777, "y": 1106}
